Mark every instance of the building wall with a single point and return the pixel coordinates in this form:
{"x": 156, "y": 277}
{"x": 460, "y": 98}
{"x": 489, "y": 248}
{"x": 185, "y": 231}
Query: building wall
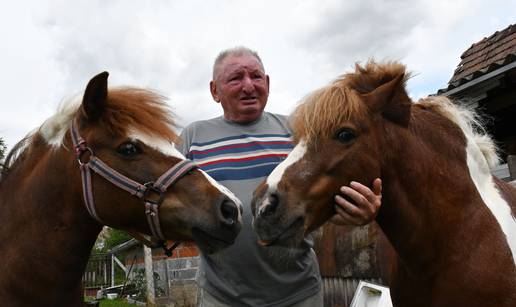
{"x": 176, "y": 273}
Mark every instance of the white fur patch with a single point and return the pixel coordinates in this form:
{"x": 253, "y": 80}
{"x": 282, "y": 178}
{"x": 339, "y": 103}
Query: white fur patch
{"x": 275, "y": 177}
{"x": 54, "y": 128}
{"x": 225, "y": 191}
{"x": 157, "y": 143}
{"x": 167, "y": 148}
{"x": 481, "y": 176}
{"x": 295, "y": 155}
{"x": 481, "y": 155}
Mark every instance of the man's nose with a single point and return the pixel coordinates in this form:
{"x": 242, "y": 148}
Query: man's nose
{"x": 247, "y": 86}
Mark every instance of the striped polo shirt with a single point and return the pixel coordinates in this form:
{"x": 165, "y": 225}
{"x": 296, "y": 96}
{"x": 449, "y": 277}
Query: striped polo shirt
{"x": 240, "y": 157}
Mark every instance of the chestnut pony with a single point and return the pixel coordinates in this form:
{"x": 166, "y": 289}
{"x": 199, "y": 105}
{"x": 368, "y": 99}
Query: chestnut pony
{"x": 450, "y": 222}
{"x": 120, "y": 168}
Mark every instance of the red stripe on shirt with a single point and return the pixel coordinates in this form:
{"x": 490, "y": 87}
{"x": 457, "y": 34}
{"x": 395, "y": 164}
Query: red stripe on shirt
{"x": 242, "y": 159}
{"x": 239, "y": 146}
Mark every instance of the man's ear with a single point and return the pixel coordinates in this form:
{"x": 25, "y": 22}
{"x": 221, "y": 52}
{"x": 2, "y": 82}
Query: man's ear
{"x": 213, "y": 91}
{"x": 268, "y": 80}
{"x": 94, "y": 101}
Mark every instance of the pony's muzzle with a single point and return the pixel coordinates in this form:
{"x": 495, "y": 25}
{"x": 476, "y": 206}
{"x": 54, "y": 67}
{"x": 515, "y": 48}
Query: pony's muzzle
{"x": 269, "y": 205}
{"x": 228, "y": 212}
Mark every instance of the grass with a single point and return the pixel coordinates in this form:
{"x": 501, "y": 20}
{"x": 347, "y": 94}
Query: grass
{"x": 116, "y": 303}
{"x": 113, "y": 303}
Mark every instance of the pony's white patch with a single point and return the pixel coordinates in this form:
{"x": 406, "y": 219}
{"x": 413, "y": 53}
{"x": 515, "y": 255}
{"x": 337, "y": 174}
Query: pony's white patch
{"x": 295, "y": 155}
{"x": 481, "y": 176}
{"x": 54, "y": 128}
{"x": 481, "y": 156}
{"x": 226, "y": 192}
{"x": 275, "y": 177}
{"x": 157, "y": 143}
{"x": 167, "y": 148}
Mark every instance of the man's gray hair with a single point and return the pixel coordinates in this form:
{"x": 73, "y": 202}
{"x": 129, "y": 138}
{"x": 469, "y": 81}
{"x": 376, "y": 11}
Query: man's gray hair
{"x": 235, "y": 51}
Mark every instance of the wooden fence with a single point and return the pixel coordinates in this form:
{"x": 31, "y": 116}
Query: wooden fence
{"x": 98, "y": 272}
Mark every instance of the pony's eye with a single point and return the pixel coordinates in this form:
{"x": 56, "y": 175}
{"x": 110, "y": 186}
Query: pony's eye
{"x": 346, "y": 135}
{"x": 129, "y": 149}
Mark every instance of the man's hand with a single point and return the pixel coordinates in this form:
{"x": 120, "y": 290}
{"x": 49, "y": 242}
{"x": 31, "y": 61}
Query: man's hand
{"x": 365, "y": 207}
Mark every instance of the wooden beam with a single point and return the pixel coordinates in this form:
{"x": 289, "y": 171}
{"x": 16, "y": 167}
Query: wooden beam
{"x": 511, "y": 161}
{"x": 149, "y": 276}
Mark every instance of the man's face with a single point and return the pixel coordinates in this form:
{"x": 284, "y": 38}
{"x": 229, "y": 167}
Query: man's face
{"x": 242, "y": 87}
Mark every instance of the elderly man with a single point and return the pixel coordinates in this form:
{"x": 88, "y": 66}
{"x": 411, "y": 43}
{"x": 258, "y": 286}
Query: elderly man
{"x": 240, "y": 149}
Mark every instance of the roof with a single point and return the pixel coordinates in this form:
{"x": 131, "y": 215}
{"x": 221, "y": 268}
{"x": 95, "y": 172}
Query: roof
{"x": 485, "y": 56}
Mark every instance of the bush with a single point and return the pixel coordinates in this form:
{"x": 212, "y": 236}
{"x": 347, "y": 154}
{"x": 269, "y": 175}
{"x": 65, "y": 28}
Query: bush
{"x": 139, "y": 283}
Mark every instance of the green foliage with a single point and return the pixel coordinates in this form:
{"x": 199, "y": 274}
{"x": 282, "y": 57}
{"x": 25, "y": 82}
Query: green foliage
{"x": 110, "y": 238}
{"x": 3, "y": 148}
{"x": 115, "y": 237}
{"x": 116, "y": 303}
{"x": 138, "y": 281}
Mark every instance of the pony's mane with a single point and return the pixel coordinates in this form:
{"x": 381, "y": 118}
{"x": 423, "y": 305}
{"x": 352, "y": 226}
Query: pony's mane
{"x": 469, "y": 121}
{"x": 320, "y": 113}
{"x": 323, "y": 111}
{"x": 127, "y": 108}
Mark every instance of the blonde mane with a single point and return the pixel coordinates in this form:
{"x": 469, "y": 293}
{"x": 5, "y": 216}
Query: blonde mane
{"x": 127, "y": 108}
{"x": 323, "y": 111}
{"x": 320, "y": 113}
{"x": 469, "y": 122}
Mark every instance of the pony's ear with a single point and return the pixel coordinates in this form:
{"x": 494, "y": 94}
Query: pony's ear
{"x": 391, "y": 100}
{"x": 95, "y": 97}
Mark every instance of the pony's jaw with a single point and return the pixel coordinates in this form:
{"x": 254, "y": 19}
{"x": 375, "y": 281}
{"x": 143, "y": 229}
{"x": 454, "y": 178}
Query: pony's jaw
{"x": 200, "y": 214}
{"x": 286, "y": 226}
{"x": 283, "y": 210}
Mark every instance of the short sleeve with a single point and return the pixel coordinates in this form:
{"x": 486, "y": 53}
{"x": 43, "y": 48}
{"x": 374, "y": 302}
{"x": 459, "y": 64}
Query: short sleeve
{"x": 185, "y": 141}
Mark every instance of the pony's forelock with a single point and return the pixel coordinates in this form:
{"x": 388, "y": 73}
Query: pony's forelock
{"x": 469, "y": 122}
{"x": 321, "y": 113}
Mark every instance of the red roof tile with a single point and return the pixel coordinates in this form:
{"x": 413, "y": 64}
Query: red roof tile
{"x": 486, "y": 55}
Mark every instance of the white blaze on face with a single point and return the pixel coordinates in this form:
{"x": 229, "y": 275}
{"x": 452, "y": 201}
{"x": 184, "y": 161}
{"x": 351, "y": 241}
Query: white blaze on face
{"x": 157, "y": 143}
{"x": 167, "y": 148}
{"x": 481, "y": 176}
{"x": 275, "y": 177}
{"x": 225, "y": 191}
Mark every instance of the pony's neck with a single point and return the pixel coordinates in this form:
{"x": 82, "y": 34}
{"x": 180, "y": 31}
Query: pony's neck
{"x": 41, "y": 204}
{"x": 427, "y": 192}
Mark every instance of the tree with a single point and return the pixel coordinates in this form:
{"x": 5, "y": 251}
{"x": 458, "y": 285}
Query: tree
{"x": 115, "y": 237}
{"x": 3, "y": 147}
{"x": 109, "y": 238}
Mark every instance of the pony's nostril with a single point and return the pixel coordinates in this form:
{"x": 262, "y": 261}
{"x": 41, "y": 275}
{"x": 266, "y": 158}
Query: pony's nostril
{"x": 229, "y": 211}
{"x": 270, "y": 205}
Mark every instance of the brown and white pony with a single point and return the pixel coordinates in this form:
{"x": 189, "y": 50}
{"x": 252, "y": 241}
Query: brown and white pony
{"x": 451, "y": 223}
{"x": 47, "y": 232}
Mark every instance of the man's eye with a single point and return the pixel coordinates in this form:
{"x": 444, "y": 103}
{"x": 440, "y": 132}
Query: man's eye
{"x": 129, "y": 149}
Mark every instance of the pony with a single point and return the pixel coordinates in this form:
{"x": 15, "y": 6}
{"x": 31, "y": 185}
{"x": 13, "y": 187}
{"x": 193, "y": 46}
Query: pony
{"x": 106, "y": 159}
{"x": 451, "y": 223}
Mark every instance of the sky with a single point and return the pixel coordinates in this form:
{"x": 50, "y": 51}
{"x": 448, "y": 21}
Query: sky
{"x": 50, "y": 49}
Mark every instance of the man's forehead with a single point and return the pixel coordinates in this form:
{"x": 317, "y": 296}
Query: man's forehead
{"x": 233, "y": 63}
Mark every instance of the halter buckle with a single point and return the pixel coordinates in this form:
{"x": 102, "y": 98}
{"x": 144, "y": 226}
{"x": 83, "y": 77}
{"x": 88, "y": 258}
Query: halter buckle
{"x": 80, "y": 150}
{"x": 152, "y": 194}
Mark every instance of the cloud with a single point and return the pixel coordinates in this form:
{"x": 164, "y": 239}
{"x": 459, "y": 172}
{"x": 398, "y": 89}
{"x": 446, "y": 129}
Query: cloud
{"x": 52, "y": 48}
